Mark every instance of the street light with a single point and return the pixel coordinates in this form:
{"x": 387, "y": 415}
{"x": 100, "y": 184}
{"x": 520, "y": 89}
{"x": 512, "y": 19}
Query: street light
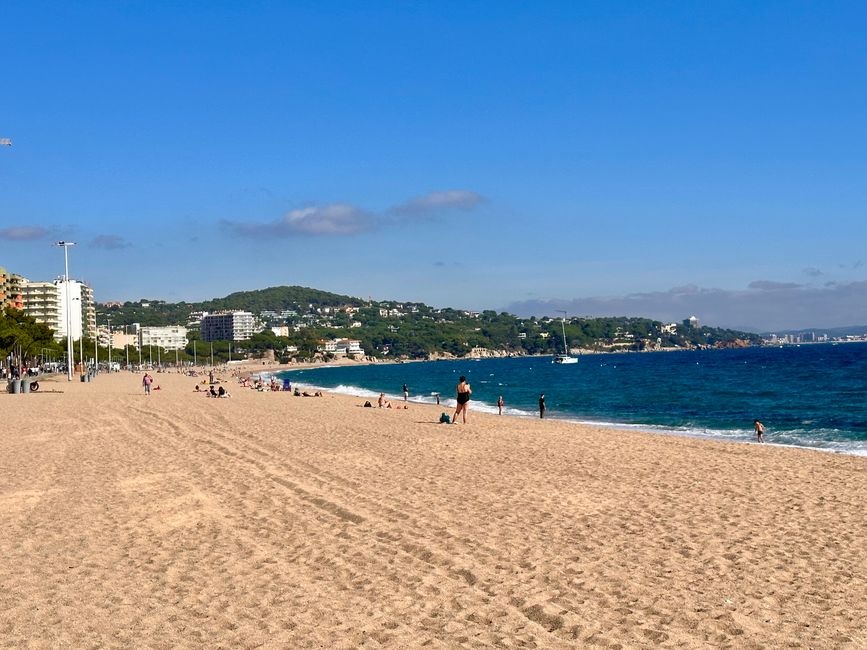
{"x": 66, "y": 245}
{"x": 81, "y": 336}
{"x": 109, "y": 343}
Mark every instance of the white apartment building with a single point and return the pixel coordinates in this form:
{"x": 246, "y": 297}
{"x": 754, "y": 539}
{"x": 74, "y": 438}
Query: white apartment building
{"x": 341, "y": 346}
{"x": 49, "y": 303}
{"x": 171, "y": 337}
{"x": 227, "y": 326}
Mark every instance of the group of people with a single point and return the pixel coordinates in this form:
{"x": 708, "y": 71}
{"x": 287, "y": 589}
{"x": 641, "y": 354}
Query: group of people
{"x": 17, "y": 372}
{"x": 219, "y": 392}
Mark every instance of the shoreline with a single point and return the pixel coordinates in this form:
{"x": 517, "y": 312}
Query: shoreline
{"x": 653, "y": 429}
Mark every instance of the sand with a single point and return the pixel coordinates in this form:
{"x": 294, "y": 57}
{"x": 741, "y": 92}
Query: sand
{"x": 266, "y": 520}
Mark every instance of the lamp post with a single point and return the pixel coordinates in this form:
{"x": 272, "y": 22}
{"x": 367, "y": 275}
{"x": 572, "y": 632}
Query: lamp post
{"x": 81, "y": 335}
{"x": 66, "y": 245}
{"x": 109, "y": 343}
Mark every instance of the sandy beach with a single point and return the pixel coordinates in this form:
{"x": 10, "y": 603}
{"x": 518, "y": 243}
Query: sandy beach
{"x": 266, "y": 520}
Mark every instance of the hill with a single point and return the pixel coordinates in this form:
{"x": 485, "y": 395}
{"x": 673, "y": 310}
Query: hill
{"x": 415, "y": 330}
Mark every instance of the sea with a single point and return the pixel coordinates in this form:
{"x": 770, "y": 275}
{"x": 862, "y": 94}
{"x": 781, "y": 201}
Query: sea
{"x": 807, "y": 396}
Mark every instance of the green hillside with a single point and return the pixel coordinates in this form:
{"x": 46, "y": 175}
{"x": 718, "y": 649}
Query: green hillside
{"x": 415, "y": 330}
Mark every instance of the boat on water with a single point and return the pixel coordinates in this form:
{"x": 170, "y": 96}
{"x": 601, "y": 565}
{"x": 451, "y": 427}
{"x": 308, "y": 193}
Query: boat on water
{"x": 565, "y": 357}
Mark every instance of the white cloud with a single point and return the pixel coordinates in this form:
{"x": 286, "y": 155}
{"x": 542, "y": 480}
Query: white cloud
{"x": 436, "y": 202}
{"x": 23, "y": 233}
{"x": 333, "y": 219}
{"x": 763, "y": 306}
{"x": 109, "y": 242}
{"x": 340, "y": 219}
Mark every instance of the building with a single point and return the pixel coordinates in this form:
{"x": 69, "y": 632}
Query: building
{"x": 10, "y": 290}
{"x": 348, "y": 347}
{"x": 692, "y": 322}
{"x": 171, "y": 337}
{"x": 47, "y": 303}
{"x": 117, "y": 338}
{"x": 227, "y": 326}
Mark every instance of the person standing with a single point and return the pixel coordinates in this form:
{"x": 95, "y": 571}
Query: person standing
{"x": 542, "y": 405}
{"x": 463, "y": 391}
{"x": 146, "y": 381}
{"x": 500, "y": 404}
{"x": 760, "y": 431}
{"x": 405, "y": 393}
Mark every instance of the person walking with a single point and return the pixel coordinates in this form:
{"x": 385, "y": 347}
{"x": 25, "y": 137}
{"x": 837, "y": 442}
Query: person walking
{"x": 463, "y": 391}
{"x": 542, "y": 405}
{"x": 500, "y": 404}
{"x": 146, "y": 381}
{"x": 760, "y": 431}
{"x": 405, "y": 393}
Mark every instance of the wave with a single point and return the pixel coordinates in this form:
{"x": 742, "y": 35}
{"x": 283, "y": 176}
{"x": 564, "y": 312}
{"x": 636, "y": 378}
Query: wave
{"x": 828, "y": 440}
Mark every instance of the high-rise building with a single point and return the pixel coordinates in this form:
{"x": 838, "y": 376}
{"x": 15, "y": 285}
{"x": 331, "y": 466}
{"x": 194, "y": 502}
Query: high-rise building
{"x": 227, "y": 326}
{"x": 10, "y": 290}
{"x": 47, "y": 303}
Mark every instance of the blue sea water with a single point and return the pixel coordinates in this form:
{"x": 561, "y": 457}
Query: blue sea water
{"x": 809, "y": 396}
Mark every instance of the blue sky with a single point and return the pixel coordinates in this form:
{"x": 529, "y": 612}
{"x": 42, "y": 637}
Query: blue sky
{"x": 479, "y": 155}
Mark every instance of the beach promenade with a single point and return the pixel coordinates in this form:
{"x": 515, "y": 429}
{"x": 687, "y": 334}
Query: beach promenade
{"x": 271, "y": 521}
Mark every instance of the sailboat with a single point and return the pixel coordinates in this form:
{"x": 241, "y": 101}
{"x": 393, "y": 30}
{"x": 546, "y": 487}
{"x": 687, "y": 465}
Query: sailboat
{"x": 565, "y": 357}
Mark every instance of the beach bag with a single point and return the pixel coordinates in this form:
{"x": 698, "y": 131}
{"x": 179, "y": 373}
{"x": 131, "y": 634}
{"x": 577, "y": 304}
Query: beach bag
{"x": 445, "y": 419}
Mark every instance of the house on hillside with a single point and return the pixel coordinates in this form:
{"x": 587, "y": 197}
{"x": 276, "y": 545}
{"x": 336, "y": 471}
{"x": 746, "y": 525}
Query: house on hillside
{"x": 341, "y": 347}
